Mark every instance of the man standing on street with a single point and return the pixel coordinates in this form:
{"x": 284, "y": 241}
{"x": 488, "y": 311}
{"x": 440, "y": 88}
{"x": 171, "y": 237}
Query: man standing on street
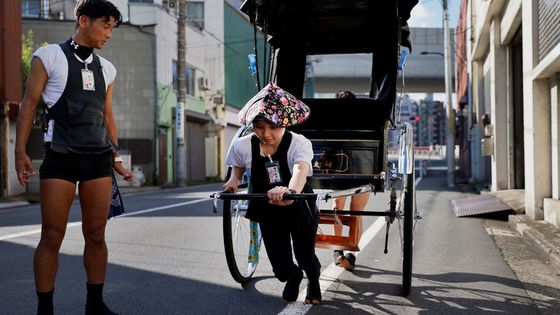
{"x": 81, "y": 146}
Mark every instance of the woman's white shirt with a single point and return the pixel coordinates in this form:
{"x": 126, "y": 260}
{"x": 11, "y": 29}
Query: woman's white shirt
{"x": 300, "y": 150}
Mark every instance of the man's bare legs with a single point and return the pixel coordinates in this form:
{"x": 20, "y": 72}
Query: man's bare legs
{"x": 56, "y": 198}
{"x": 95, "y": 196}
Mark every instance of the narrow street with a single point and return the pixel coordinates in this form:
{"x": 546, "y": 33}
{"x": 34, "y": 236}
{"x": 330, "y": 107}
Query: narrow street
{"x": 166, "y": 257}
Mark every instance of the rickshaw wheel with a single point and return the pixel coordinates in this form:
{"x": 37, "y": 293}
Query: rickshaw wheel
{"x": 242, "y": 240}
{"x": 408, "y": 227}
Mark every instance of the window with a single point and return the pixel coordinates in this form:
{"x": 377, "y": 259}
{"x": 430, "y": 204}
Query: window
{"x": 190, "y": 80}
{"x": 189, "y": 77}
{"x": 30, "y": 8}
{"x": 174, "y": 71}
{"x": 195, "y": 14}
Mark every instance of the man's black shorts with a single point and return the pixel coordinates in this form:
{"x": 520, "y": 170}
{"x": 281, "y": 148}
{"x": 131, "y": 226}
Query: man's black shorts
{"x": 74, "y": 167}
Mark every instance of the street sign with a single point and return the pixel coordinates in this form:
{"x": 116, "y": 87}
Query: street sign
{"x": 180, "y": 122}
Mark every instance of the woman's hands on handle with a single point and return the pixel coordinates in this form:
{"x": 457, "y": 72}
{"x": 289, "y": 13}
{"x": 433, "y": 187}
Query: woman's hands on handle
{"x": 276, "y": 194}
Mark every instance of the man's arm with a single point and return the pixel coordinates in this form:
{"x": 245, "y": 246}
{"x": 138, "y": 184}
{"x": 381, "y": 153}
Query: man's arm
{"x": 110, "y": 124}
{"x": 36, "y": 81}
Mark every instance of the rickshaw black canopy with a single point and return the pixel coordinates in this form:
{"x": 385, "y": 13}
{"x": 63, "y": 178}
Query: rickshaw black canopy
{"x": 348, "y": 135}
{"x": 330, "y": 26}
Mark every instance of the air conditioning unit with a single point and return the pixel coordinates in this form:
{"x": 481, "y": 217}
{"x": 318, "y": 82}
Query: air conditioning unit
{"x": 169, "y": 4}
{"x": 203, "y": 84}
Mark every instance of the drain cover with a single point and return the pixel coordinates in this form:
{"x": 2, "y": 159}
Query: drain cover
{"x": 478, "y": 205}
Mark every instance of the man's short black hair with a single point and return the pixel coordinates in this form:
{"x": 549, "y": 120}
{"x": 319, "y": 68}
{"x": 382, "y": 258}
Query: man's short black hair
{"x": 97, "y": 8}
{"x": 345, "y": 94}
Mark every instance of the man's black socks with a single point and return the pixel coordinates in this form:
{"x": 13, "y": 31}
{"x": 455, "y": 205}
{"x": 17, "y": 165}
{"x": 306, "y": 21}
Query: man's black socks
{"x": 45, "y": 306}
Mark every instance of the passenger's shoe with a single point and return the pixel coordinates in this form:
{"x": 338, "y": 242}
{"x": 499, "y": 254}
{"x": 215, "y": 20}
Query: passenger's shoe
{"x": 313, "y": 293}
{"x": 348, "y": 261}
{"x": 291, "y": 290}
{"x": 99, "y": 309}
{"x": 338, "y": 256}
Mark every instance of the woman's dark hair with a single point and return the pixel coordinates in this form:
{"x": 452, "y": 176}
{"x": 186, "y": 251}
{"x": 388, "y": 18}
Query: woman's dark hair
{"x": 97, "y": 8}
{"x": 345, "y": 94}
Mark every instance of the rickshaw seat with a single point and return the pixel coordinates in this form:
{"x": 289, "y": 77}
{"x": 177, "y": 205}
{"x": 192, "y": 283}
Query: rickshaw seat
{"x": 360, "y": 118}
{"x": 350, "y": 134}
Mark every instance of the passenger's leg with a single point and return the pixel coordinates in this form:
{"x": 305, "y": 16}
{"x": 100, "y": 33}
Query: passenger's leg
{"x": 338, "y": 204}
{"x": 358, "y": 203}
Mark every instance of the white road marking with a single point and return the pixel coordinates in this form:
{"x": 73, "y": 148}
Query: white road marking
{"x": 331, "y": 273}
{"x": 35, "y": 231}
{"x": 164, "y": 207}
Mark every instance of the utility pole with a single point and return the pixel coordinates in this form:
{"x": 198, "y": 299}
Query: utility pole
{"x": 180, "y": 121}
{"x": 450, "y": 143}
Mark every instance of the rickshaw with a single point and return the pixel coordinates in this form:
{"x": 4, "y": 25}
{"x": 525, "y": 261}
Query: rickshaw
{"x": 350, "y": 147}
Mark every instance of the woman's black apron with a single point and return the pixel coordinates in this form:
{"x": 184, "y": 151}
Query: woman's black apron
{"x": 261, "y": 211}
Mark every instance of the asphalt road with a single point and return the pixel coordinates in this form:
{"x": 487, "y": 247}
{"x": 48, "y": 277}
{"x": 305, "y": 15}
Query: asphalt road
{"x": 166, "y": 257}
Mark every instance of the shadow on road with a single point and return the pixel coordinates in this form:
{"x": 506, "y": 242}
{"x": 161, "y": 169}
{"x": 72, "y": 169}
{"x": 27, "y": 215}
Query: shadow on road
{"x": 445, "y": 293}
{"x": 128, "y": 290}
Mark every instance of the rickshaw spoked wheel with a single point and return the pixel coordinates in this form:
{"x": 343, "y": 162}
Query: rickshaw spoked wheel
{"x": 242, "y": 240}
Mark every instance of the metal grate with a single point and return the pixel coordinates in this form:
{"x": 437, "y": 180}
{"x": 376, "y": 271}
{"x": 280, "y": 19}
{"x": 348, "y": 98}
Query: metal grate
{"x": 478, "y": 205}
{"x": 549, "y": 26}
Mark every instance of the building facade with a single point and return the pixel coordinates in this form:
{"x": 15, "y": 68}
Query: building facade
{"x": 10, "y": 93}
{"x": 144, "y": 50}
{"x": 513, "y": 56}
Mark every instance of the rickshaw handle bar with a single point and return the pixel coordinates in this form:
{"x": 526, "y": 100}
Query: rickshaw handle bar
{"x": 255, "y": 196}
{"x": 353, "y": 212}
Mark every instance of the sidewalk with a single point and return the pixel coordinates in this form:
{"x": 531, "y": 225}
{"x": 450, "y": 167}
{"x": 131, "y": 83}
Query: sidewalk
{"x": 532, "y": 250}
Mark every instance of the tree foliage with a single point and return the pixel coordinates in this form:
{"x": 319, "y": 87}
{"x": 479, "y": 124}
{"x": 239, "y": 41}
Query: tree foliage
{"x": 28, "y": 46}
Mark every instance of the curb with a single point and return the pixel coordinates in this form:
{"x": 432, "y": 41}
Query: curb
{"x": 10, "y": 204}
{"x": 541, "y": 236}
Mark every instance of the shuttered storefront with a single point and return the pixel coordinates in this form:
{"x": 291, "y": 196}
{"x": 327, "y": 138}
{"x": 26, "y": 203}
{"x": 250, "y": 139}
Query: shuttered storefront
{"x": 549, "y": 26}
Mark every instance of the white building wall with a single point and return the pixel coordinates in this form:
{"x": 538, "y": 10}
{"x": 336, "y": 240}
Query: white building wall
{"x": 495, "y": 24}
{"x": 166, "y": 42}
{"x": 536, "y": 110}
{"x": 498, "y": 108}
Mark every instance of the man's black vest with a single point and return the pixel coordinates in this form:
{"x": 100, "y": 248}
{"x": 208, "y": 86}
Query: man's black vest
{"x": 78, "y": 114}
